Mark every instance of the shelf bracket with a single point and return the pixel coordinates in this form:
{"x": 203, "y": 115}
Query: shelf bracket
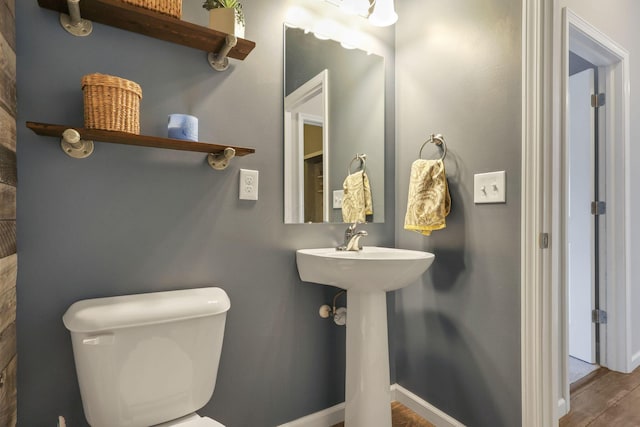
{"x": 219, "y": 61}
{"x": 220, "y": 161}
{"x": 73, "y": 22}
{"x": 74, "y": 146}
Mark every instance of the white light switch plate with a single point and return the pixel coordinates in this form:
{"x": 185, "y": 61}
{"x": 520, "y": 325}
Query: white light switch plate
{"x": 490, "y": 187}
{"x": 337, "y": 198}
{"x": 248, "y": 184}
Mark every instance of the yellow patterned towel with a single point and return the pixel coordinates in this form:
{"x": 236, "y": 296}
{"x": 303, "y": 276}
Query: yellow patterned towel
{"x": 356, "y": 202}
{"x": 429, "y": 201}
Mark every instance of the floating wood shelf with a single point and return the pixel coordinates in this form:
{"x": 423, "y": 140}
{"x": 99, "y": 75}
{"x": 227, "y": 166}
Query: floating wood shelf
{"x": 153, "y": 24}
{"x": 45, "y": 129}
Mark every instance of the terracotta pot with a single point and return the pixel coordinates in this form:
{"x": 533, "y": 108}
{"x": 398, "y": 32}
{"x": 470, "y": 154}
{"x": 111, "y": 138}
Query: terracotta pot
{"x": 224, "y": 20}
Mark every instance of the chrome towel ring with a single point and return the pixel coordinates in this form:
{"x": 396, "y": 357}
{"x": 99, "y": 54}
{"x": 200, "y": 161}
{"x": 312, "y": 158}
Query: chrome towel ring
{"x": 363, "y": 163}
{"x": 438, "y": 140}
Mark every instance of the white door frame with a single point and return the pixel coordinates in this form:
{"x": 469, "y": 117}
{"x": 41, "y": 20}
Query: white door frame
{"x": 613, "y": 63}
{"x": 545, "y": 52}
{"x": 293, "y": 146}
{"x": 538, "y": 303}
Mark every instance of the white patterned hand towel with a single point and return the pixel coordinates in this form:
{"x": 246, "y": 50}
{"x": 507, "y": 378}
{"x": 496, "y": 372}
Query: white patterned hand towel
{"x": 429, "y": 201}
{"x": 356, "y": 202}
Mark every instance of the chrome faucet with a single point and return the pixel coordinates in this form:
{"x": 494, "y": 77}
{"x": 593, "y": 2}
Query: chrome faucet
{"x": 352, "y": 238}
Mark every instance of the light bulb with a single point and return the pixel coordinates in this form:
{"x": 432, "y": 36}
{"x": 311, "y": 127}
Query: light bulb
{"x": 384, "y": 14}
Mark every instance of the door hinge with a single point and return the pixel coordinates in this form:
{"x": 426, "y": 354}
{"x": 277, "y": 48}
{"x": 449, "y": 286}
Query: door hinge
{"x": 598, "y": 208}
{"x": 544, "y": 240}
{"x": 597, "y": 100}
{"x": 599, "y": 316}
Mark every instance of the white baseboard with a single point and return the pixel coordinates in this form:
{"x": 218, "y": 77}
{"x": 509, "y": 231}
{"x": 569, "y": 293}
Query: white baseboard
{"x": 423, "y": 408}
{"x": 635, "y": 361}
{"x": 335, "y": 414}
{"x": 325, "y": 418}
{"x": 562, "y": 408}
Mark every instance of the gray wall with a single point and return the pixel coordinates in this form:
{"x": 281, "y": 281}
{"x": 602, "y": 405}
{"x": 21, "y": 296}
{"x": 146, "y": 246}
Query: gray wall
{"x": 578, "y": 64}
{"x": 132, "y": 219}
{"x": 458, "y": 331}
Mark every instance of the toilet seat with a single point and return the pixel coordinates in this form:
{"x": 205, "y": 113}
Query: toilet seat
{"x": 192, "y": 420}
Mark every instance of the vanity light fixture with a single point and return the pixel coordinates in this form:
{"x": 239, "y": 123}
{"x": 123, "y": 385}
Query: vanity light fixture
{"x": 355, "y": 7}
{"x": 380, "y": 13}
{"x": 384, "y": 13}
{"x": 325, "y": 29}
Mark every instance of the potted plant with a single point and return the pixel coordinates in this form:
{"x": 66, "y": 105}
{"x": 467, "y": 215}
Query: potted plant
{"x": 226, "y": 16}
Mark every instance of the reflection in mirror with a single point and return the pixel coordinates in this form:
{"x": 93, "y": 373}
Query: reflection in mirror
{"x": 333, "y": 111}
{"x": 306, "y": 145}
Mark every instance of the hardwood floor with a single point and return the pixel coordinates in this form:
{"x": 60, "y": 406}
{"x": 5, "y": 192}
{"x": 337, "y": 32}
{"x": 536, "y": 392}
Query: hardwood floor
{"x": 602, "y": 399}
{"x": 605, "y": 399}
{"x": 401, "y": 416}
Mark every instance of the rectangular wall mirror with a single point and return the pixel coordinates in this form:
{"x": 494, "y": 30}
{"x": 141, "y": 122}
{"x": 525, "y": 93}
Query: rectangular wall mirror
{"x": 333, "y": 111}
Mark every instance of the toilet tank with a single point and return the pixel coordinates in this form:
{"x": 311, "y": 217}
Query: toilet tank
{"x": 148, "y": 358}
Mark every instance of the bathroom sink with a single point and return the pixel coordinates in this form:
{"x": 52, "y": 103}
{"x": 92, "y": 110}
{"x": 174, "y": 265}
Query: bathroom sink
{"x": 366, "y": 275}
{"x": 371, "y": 269}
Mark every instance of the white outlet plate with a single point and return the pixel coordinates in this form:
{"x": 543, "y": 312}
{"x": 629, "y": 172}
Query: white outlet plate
{"x": 337, "y": 198}
{"x": 490, "y": 187}
{"x": 248, "y": 184}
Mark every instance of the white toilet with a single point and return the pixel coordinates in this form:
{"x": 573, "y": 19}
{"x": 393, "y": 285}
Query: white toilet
{"x": 148, "y": 359}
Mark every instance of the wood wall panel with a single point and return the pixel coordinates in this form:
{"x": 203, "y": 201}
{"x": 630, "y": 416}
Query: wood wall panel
{"x": 7, "y": 238}
{"x": 8, "y": 171}
{"x": 8, "y": 383}
{"x": 8, "y": 273}
{"x": 7, "y": 346}
{"x": 7, "y": 130}
{"x": 7, "y": 22}
{"x": 7, "y": 202}
{"x": 7, "y": 308}
{"x": 8, "y": 247}
{"x": 7, "y": 77}
{"x": 11, "y": 4}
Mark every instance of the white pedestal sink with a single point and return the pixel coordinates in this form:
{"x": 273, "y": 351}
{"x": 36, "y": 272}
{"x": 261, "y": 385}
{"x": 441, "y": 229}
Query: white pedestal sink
{"x": 366, "y": 275}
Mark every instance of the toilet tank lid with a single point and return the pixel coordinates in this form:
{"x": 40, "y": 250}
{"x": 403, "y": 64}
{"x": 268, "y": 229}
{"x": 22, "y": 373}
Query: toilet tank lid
{"x": 103, "y": 314}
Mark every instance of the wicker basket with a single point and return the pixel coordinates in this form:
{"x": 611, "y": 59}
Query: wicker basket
{"x": 166, "y": 7}
{"x": 111, "y": 103}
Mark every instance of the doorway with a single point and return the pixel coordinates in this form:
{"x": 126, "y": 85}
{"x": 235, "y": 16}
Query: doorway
{"x": 593, "y": 272}
{"x": 583, "y": 186}
{"x": 313, "y": 172}
{"x": 547, "y": 36}
{"x": 306, "y": 152}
